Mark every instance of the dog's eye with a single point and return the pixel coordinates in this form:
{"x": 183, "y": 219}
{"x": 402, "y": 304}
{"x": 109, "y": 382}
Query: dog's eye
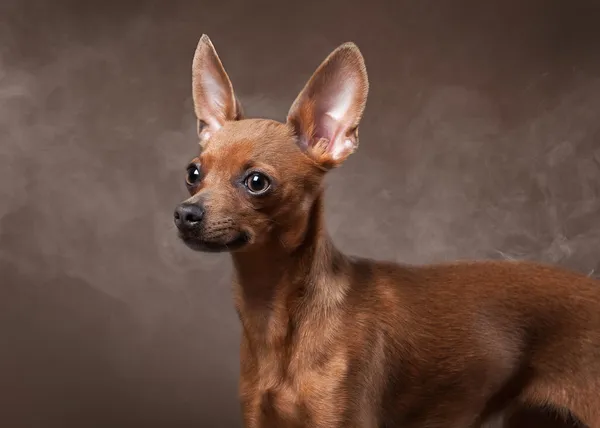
{"x": 192, "y": 175}
{"x": 257, "y": 183}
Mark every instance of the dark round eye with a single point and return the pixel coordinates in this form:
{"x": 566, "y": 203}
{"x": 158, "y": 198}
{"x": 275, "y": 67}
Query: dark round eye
{"x": 257, "y": 183}
{"x": 192, "y": 175}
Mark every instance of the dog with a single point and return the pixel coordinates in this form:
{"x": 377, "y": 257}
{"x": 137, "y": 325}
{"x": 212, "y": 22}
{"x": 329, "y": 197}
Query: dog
{"x": 330, "y": 340}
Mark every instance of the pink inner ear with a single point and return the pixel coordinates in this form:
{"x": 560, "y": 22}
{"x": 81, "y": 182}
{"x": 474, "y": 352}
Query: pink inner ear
{"x": 333, "y": 117}
{"x": 325, "y": 127}
{"x": 217, "y": 104}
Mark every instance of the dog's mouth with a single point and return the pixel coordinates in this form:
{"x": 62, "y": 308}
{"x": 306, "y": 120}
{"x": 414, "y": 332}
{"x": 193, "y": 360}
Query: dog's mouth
{"x": 215, "y": 245}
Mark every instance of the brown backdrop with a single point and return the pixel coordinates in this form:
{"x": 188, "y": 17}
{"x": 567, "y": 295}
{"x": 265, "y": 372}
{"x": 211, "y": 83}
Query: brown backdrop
{"x": 481, "y": 139}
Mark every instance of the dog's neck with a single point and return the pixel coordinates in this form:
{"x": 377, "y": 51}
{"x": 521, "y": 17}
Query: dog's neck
{"x": 300, "y": 278}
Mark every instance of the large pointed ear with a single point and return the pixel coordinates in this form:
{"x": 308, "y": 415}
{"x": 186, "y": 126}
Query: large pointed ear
{"x": 214, "y": 100}
{"x": 326, "y": 113}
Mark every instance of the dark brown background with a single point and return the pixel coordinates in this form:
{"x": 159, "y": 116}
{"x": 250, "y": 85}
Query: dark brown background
{"x": 481, "y": 139}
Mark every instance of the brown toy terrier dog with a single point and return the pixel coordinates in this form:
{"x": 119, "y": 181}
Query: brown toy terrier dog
{"x": 336, "y": 341}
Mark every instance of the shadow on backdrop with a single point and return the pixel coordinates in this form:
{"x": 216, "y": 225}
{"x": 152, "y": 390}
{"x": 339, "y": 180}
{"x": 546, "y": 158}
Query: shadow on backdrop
{"x": 481, "y": 139}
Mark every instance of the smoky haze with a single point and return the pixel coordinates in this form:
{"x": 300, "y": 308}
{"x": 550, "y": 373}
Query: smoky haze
{"x": 481, "y": 139}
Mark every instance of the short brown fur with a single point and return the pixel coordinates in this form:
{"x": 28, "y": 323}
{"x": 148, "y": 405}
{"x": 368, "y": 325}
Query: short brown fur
{"x": 331, "y": 340}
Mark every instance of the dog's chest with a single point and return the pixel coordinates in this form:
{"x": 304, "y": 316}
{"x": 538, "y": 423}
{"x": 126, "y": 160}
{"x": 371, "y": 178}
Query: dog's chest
{"x": 293, "y": 384}
{"x": 299, "y": 395}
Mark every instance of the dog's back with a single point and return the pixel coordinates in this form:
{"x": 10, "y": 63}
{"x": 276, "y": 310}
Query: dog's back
{"x": 472, "y": 338}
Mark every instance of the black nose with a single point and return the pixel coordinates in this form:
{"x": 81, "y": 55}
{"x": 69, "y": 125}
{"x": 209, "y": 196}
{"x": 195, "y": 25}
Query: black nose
{"x": 188, "y": 216}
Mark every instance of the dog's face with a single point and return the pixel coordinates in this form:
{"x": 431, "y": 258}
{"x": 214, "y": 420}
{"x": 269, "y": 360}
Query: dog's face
{"x": 250, "y": 182}
{"x": 255, "y": 180}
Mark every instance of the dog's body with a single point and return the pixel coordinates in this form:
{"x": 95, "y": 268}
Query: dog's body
{"x": 334, "y": 341}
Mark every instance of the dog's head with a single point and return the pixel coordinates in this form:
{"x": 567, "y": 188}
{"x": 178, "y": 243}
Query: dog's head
{"x": 255, "y": 180}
